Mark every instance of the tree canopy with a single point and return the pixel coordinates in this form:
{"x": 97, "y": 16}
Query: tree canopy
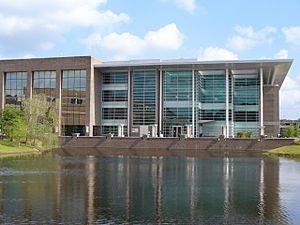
{"x": 34, "y": 124}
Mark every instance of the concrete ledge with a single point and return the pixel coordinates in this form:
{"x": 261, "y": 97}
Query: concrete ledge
{"x": 166, "y": 146}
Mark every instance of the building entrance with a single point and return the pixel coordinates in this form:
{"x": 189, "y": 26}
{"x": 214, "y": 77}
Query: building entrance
{"x": 177, "y": 131}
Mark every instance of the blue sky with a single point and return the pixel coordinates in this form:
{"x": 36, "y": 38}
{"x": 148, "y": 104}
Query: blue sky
{"x": 138, "y": 29}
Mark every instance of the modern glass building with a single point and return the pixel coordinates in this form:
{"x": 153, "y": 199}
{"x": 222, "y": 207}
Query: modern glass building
{"x": 205, "y": 99}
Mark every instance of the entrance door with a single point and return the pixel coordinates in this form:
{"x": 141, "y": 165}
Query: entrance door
{"x": 177, "y": 131}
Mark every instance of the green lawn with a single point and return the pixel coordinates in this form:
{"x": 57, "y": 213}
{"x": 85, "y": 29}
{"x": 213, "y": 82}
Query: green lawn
{"x": 9, "y": 147}
{"x": 292, "y": 151}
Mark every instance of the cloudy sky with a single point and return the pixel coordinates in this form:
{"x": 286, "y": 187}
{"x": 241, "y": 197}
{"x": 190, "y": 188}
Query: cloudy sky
{"x": 139, "y": 29}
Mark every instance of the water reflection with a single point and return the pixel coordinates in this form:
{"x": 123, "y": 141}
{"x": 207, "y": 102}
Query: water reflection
{"x": 159, "y": 190}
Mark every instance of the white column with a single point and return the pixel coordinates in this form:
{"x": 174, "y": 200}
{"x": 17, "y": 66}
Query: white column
{"x": 193, "y": 102}
{"x": 232, "y": 106}
{"x": 161, "y": 110}
{"x": 227, "y": 103}
{"x": 129, "y": 104}
{"x": 261, "y": 102}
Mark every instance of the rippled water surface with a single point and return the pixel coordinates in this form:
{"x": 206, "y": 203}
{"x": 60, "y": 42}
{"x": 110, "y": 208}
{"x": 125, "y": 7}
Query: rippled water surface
{"x": 110, "y": 190}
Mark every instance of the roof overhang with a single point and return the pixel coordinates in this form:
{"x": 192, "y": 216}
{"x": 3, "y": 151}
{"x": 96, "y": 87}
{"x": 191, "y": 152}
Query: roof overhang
{"x": 274, "y": 70}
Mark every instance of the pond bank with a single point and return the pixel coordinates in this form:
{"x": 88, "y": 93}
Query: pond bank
{"x": 8, "y": 148}
{"x": 290, "y": 151}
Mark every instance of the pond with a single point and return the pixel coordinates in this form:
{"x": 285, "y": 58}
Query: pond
{"x": 146, "y": 190}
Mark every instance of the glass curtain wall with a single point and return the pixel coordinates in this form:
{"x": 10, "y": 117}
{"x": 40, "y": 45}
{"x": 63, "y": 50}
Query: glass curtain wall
{"x": 73, "y": 103}
{"x": 114, "y": 102}
{"x": 211, "y": 94}
{"x": 144, "y": 97}
{"x": 15, "y": 88}
{"x": 44, "y": 83}
{"x": 177, "y": 105}
{"x": 246, "y": 103}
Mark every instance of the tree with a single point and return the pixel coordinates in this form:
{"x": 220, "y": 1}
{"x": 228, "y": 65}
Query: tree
{"x": 291, "y": 131}
{"x": 42, "y": 118}
{"x": 13, "y": 124}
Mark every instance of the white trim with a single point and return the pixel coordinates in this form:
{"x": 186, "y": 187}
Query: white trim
{"x": 129, "y": 104}
{"x": 161, "y": 110}
{"x": 227, "y": 103}
{"x": 261, "y": 102}
{"x": 193, "y": 102}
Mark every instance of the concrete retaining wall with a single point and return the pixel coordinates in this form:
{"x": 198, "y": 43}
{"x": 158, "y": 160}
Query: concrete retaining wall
{"x": 165, "y": 146}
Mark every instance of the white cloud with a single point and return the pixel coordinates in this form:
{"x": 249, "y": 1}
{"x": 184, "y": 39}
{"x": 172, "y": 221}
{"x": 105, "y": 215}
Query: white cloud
{"x": 290, "y": 98}
{"x": 282, "y": 54}
{"x": 167, "y": 38}
{"x": 247, "y": 38}
{"x": 31, "y": 25}
{"x": 215, "y": 53}
{"x": 292, "y": 34}
{"x": 187, "y": 5}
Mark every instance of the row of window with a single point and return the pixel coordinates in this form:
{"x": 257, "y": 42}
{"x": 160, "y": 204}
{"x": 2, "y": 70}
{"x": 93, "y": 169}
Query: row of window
{"x": 114, "y": 113}
{"x": 144, "y": 97}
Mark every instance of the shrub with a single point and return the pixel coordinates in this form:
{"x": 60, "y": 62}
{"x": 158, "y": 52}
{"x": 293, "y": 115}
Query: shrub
{"x": 297, "y": 141}
{"x": 240, "y": 134}
{"x": 249, "y": 134}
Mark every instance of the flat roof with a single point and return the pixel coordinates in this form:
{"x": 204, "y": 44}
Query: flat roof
{"x": 166, "y": 62}
{"x": 274, "y": 70}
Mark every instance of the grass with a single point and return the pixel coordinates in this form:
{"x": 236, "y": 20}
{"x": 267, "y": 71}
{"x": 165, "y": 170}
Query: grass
{"x": 10, "y": 147}
{"x": 290, "y": 151}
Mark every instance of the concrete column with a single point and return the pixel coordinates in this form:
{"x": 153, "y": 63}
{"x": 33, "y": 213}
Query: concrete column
{"x": 90, "y": 100}
{"x": 98, "y": 97}
{"x": 129, "y": 104}
{"x": 160, "y": 102}
{"x": 58, "y": 94}
{"x": 227, "y": 103}
{"x": 2, "y": 90}
{"x": 261, "y": 119}
{"x": 29, "y": 84}
{"x": 193, "y": 102}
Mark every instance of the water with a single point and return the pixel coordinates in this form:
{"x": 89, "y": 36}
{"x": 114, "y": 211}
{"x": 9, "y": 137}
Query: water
{"x": 122, "y": 190}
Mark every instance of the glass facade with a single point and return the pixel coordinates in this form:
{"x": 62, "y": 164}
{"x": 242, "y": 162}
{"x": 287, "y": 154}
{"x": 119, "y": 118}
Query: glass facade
{"x": 73, "y": 102}
{"x": 114, "y": 106}
{"x": 177, "y": 97}
{"x": 211, "y": 102}
{"x": 15, "y": 88}
{"x": 44, "y": 83}
{"x": 144, "y": 97}
{"x": 246, "y": 103}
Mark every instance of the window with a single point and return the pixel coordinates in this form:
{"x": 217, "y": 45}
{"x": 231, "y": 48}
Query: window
{"x": 144, "y": 97}
{"x": 44, "y": 83}
{"x": 73, "y": 98}
{"x": 15, "y": 87}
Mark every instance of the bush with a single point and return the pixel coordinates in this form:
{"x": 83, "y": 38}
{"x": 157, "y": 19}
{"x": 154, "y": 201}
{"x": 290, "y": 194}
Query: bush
{"x": 249, "y": 134}
{"x": 240, "y": 134}
{"x": 297, "y": 141}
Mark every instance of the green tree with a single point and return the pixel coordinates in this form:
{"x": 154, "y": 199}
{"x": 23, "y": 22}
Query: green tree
{"x": 42, "y": 118}
{"x": 13, "y": 124}
{"x": 297, "y": 131}
{"x": 291, "y": 131}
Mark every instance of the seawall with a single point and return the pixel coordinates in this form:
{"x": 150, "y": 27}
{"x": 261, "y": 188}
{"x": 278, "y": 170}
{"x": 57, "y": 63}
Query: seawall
{"x": 136, "y": 146}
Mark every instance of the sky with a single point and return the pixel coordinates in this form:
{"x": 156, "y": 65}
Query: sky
{"x": 157, "y": 29}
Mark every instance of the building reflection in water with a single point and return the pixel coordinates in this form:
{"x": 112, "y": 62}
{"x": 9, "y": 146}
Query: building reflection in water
{"x": 143, "y": 190}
